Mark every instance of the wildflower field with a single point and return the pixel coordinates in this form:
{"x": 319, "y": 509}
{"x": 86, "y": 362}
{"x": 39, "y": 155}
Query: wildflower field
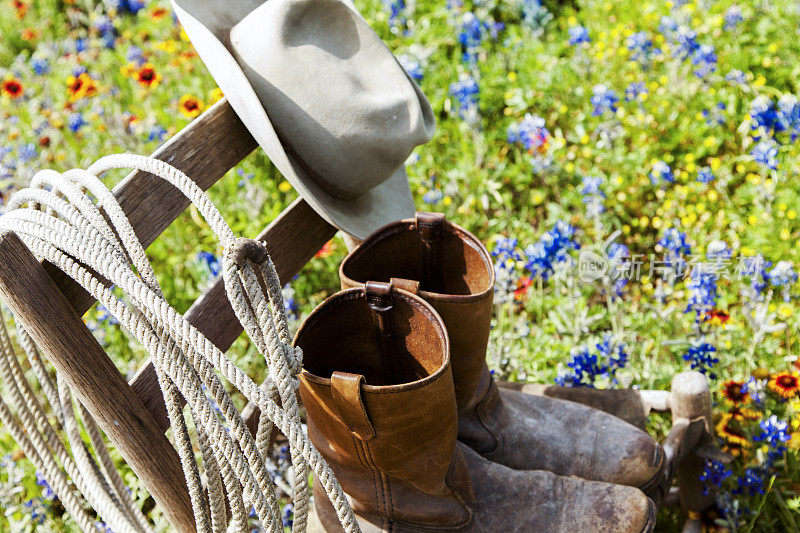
{"x": 657, "y": 139}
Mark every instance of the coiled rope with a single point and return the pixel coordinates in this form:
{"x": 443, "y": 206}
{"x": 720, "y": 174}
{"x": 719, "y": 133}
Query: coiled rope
{"x": 73, "y": 221}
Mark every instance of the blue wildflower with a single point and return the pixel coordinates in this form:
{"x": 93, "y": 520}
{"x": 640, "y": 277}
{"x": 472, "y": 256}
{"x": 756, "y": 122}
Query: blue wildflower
{"x": 702, "y": 288}
{"x": 578, "y": 35}
{"x": 26, "y": 152}
{"x": 551, "y": 249}
{"x": 530, "y": 133}
{"x": 686, "y": 42}
{"x": 641, "y": 47}
{"x": 774, "y": 433}
{"x": 136, "y": 55}
{"x": 412, "y": 66}
{"x": 433, "y": 196}
{"x": 766, "y": 153}
{"x": 156, "y": 133}
{"x": 714, "y": 474}
{"x": 766, "y": 115}
{"x": 718, "y": 251}
{"x": 736, "y": 76}
{"x": 700, "y": 356}
{"x": 661, "y": 172}
{"x": 752, "y": 481}
{"x": 505, "y": 248}
{"x": 756, "y": 268}
{"x": 81, "y": 45}
{"x": 396, "y": 9}
{"x": 619, "y": 257}
{"x": 733, "y": 16}
{"x": 465, "y": 91}
{"x": 674, "y": 241}
{"x": 783, "y": 275}
{"x": 472, "y": 34}
{"x": 128, "y": 6}
{"x": 603, "y": 99}
{"x": 39, "y": 65}
{"x": 47, "y": 492}
{"x": 287, "y": 513}
{"x": 289, "y": 301}
{"x": 592, "y": 196}
{"x": 634, "y": 90}
{"x": 75, "y": 121}
{"x": 209, "y": 261}
{"x": 705, "y": 59}
{"x": 586, "y": 366}
{"x": 35, "y": 507}
{"x": 704, "y": 175}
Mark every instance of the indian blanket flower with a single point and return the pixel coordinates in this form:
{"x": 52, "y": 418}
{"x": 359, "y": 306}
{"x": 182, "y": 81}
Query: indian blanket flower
{"x": 714, "y": 474}
{"x": 81, "y": 85}
{"x": 603, "y": 100}
{"x": 190, "y": 106}
{"x": 785, "y": 384}
{"x": 735, "y": 392}
{"x": 465, "y": 92}
{"x": 578, "y": 35}
{"x": 766, "y": 153}
{"x": 12, "y": 88}
{"x": 147, "y": 76}
{"x": 701, "y": 356}
{"x": 730, "y": 430}
{"x": 531, "y": 133}
{"x": 661, "y": 172}
{"x": 551, "y": 249}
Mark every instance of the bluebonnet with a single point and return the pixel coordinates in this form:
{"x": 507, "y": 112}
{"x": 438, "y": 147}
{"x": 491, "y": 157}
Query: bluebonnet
{"x": 766, "y": 115}
{"x": 472, "y": 34}
{"x": 641, "y": 47}
{"x": 47, "y": 492}
{"x": 466, "y": 91}
{"x": 75, "y": 121}
{"x": 39, "y": 65}
{"x": 505, "y": 248}
{"x": 396, "y": 9}
{"x": 603, "y": 99}
{"x": 530, "y": 133}
{"x": 661, "y": 172}
{"x": 81, "y": 45}
{"x": 432, "y": 196}
{"x": 756, "y": 268}
{"x": 128, "y": 6}
{"x": 35, "y": 507}
{"x": 789, "y": 108}
{"x": 674, "y": 241}
{"x": 718, "y": 251}
{"x": 26, "y": 152}
{"x": 667, "y": 25}
{"x": 733, "y": 16}
{"x": 766, "y": 153}
{"x": 704, "y": 175}
{"x": 736, "y": 76}
{"x": 702, "y": 288}
{"x": 578, "y": 35}
{"x": 634, "y": 90}
{"x": 551, "y": 248}
{"x": 716, "y": 115}
{"x": 104, "y": 315}
{"x": 752, "y": 481}
{"x": 705, "y": 59}
{"x": 783, "y": 275}
{"x": 586, "y": 366}
{"x": 619, "y": 257}
{"x": 209, "y": 261}
{"x": 289, "y": 301}
{"x": 775, "y": 435}
{"x": 412, "y": 66}
{"x": 714, "y": 474}
{"x": 755, "y": 388}
{"x": 535, "y": 15}
{"x": 700, "y": 356}
{"x": 156, "y": 133}
{"x": 136, "y": 55}
{"x": 593, "y": 196}
{"x": 287, "y": 513}
{"x": 108, "y": 33}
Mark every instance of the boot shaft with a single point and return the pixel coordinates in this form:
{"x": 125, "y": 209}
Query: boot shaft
{"x": 378, "y": 393}
{"x": 449, "y": 268}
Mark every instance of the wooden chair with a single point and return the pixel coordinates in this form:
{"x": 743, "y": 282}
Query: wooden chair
{"x": 49, "y": 305}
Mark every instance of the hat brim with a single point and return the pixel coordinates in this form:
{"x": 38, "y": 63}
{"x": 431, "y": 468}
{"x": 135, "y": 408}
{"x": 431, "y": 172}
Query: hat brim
{"x": 386, "y": 202}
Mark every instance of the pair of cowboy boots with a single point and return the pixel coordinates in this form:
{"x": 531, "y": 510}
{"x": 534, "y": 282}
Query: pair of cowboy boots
{"x": 402, "y": 406}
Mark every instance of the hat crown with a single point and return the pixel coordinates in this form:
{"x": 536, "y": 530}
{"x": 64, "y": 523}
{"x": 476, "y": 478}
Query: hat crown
{"x": 335, "y": 94}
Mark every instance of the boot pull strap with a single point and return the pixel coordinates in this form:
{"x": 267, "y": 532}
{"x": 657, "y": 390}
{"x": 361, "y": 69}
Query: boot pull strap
{"x": 346, "y": 390}
{"x": 408, "y": 285}
{"x": 430, "y": 227}
{"x": 381, "y": 301}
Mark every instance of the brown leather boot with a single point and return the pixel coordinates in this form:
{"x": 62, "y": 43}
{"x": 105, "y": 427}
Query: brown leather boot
{"x": 381, "y": 408}
{"x": 450, "y": 269}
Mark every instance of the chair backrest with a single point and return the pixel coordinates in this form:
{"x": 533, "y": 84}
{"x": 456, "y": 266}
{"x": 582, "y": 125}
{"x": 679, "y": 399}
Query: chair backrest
{"x": 49, "y": 305}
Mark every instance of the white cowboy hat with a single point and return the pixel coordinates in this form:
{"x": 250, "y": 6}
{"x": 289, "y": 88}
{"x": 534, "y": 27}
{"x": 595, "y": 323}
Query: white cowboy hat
{"x": 323, "y": 96}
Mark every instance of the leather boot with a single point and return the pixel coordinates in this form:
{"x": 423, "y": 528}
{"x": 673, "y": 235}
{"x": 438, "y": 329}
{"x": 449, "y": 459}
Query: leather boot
{"x": 449, "y": 268}
{"x": 381, "y": 409}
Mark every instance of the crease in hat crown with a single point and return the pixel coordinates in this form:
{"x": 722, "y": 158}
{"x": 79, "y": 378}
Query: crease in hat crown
{"x": 324, "y": 97}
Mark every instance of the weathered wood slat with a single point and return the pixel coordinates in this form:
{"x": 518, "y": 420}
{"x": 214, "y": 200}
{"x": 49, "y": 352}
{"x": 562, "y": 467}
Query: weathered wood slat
{"x": 44, "y": 312}
{"x": 205, "y": 150}
{"x": 292, "y": 240}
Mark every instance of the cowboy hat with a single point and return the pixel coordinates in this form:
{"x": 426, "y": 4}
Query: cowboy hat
{"x": 323, "y": 96}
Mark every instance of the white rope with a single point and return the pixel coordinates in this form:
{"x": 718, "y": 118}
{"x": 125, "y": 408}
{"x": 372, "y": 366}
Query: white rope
{"x": 73, "y": 221}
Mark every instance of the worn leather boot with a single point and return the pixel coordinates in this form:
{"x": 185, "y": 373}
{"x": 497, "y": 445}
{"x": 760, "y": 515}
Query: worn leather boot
{"x": 381, "y": 409}
{"x": 450, "y": 269}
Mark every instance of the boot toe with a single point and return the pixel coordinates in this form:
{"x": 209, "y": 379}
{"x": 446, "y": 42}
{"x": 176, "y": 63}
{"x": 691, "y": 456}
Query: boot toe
{"x": 571, "y": 439}
{"x": 607, "y": 507}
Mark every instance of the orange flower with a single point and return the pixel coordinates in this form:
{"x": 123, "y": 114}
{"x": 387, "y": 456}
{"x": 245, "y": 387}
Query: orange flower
{"x": 785, "y": 384}
{"x": 29, "y": 34}
{"x": 326, "y": 250}
{"x": 190, "y": 106}
{"x": 718, "y": 317}
{"x": 158, "y": 13}
{"x": 12, "y": 88}
{"x": 735, "y": 392}
{"x": 522, "y": 287}
{"x": 21, "y": 8}
{"x": 82, "y": 86}
{"x": 215, "y": 95}
{"x": 147, "y": 76}
{"x": 730, "y": 429}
